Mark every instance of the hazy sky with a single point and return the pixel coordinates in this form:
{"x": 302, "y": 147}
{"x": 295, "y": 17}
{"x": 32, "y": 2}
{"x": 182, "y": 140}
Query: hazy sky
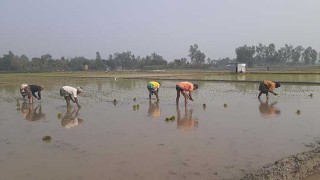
{"x": 167, "y": 27}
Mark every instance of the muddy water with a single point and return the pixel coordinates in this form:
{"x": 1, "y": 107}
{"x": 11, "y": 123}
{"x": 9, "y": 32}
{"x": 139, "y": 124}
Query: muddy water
{"x": 235, "y": 133}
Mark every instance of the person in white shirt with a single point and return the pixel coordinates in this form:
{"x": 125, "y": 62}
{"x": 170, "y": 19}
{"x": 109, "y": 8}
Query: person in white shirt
{"x": 70, "y": 93}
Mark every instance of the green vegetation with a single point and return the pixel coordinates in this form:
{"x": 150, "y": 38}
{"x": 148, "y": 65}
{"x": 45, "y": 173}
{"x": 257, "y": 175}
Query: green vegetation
{"x": 266, "y": 56}
{"x": 59, "y": 115}
{"x": 46, "y": 139}
{"x": 298, "y": 112}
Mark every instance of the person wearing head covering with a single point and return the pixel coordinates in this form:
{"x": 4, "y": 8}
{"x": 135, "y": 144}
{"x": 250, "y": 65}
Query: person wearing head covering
{"x": 30, "y": 90}
{"x": 268, "y": 86}
{"x": 183, "y": 88}
{"x": 153, "y": 87}
{"x": 70, "y": 93}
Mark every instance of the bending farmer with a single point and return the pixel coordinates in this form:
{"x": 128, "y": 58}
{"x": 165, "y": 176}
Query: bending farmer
{"x": 268, "y": 86}
{"x": 30, "y": 90}
{"x": 70, "y": 93}
{"x": 183, "y": 88}
{"x": 153, "y": 87}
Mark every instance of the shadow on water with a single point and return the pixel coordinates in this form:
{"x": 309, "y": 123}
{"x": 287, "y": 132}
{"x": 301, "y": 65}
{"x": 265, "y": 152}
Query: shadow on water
{"x": 268, "y": 110}
{"x": 71, "y": 119}
{"x": 186, "y": 122}
{"x": 32, "y": 112}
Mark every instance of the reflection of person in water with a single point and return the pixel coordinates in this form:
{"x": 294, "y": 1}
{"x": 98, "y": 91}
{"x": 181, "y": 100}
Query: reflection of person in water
{"x": 154, "y": 109}
{"x": 71, "y": 118}
{"x": 268, "y": 110}
{"x": 186, "y": 122}
{"x": 30, "y": 113}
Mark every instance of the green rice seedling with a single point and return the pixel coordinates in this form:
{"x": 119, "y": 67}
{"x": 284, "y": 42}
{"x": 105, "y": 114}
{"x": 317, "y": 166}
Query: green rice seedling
{"x": 59, "y": 115}
{"x": 18, "y": 103}
{"x": 46, "y": 139}
{"x": 225, "y": 105}
{"x": 204, "y": 105}
{"x": 298, "y": 112}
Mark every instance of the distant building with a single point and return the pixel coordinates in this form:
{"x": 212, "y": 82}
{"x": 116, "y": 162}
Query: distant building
{"x": 238, "y": 68}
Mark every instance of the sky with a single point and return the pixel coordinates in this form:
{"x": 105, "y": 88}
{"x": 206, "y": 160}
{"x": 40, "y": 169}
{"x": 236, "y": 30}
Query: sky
{"x": 73, "y": 28}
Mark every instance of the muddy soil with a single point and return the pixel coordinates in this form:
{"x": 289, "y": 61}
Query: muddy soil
{"x": 232, "y": 135}
{"x": 295, "y": 167}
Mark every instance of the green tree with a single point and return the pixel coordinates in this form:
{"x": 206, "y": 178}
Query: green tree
{"x": 296, "y": 54}
{"x": 245, "y": 54}
{"x": 309, "y": 56}
{"x": 99, "y": 65}
{"x": 196, "y": 56}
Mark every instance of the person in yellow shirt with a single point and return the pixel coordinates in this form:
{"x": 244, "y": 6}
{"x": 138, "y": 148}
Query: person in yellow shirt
{"x": 153, "y": 87}
{"x": 268, "y": 86}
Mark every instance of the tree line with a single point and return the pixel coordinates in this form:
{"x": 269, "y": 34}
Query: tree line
{"x": 254, "y": 56}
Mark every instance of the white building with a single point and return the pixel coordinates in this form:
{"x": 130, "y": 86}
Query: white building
{"x": 238, "y": 68}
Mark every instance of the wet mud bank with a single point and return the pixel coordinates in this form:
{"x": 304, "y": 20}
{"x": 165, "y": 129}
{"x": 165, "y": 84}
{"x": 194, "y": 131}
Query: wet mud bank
{"x": 295, "y": 167}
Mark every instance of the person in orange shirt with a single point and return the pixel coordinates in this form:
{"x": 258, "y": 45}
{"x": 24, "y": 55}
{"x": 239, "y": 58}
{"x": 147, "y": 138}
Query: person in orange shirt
{"x": 268, "y": 86}
{"x": 183, "y": 88}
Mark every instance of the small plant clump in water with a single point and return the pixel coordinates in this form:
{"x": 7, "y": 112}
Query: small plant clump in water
{"x": 167, "y": 119}
{"x": 138, "y": 106}
{"x": 134, "y": 99}
{"x": 225, "y": 105}
{"x": 134, "y": 107}
{"x": 172, "y": 118}
{"x": 46, "y": 138}
{"x": 204, "y": 105}
{"x": 59, "y": 115}
{"x": 298, "y": 111}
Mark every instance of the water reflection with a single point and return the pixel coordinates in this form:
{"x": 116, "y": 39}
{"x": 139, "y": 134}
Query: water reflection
{"x": 154, "y": 109}
{"x": 268, "y": 110}
{"x": 186, "y": 122}
{"x": 71, "y": 119}
{"x": 30, "y": 113}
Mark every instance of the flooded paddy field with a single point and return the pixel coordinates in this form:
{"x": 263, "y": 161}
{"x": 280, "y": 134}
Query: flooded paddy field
{"x": 232, "y": 135}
